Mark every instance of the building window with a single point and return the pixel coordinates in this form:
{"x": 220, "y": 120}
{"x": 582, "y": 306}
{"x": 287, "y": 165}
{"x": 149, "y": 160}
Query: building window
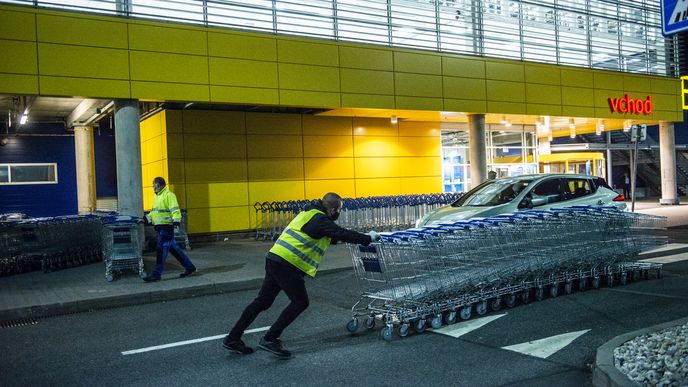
{"x": 28, "y": 174}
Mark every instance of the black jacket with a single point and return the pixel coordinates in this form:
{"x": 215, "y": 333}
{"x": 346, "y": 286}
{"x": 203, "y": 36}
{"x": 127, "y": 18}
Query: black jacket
{"x": 321, "y": 226}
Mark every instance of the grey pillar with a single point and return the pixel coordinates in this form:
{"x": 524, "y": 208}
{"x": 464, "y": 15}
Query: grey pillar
{"x": 476, "y": 143}
{"x": 85, "y": 169}
{"x": 667, "y": 157}
{"x": 128, "y": 151}
{"x": 610, "y": 175}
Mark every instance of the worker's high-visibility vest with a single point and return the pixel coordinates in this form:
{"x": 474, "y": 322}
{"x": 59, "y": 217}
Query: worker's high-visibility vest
{"x": 299, "y": 249}
{"x": 165, "y": 208}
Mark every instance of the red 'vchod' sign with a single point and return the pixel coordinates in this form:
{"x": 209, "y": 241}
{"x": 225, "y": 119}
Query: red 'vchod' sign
{"x": 630, "y": 105}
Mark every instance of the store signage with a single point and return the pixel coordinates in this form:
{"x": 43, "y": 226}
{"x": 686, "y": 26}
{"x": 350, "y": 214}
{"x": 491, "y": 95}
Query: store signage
{"x": 674, "y": 16}
{"x": 630, "y": 105}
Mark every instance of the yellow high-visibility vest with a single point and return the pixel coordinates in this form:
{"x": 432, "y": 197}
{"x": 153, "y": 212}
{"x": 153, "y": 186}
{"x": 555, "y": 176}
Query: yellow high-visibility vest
{"x": 299, "y": 249}
{"x": 165, "y": 208}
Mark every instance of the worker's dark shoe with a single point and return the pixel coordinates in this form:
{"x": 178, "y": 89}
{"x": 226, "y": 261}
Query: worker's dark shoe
{"x": 151, "y": 279}
{"x": 187, "y": 273}
{"x": 274, "y": 347}
{"x": 237, "y": 346}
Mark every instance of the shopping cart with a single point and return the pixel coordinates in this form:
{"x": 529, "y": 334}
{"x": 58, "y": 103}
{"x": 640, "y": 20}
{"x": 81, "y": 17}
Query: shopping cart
{"x": 122, "y": 246}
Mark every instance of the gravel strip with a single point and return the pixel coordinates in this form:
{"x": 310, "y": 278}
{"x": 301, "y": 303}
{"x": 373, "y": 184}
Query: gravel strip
{"x": 656, "y": 359}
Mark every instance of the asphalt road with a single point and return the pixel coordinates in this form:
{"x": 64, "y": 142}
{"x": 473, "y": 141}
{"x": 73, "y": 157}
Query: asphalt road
{"x": 87, "y": 349}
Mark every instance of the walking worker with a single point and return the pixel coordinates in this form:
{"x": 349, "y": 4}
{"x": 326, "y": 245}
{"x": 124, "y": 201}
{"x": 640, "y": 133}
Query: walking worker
{"x": 166, "y": 217}
{"x": 297, "y": 252}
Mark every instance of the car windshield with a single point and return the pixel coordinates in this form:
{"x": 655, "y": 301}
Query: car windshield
{"x": 493, "y": 193}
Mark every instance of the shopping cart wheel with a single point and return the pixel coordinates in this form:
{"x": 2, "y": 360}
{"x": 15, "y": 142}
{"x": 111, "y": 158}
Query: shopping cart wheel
{"x": 596, "y": 282}
{"x": 525, "y": 296}
{"x": 465, "y": 312}
{"x": 109, "y": 277}
{"x": 610, "y": 280}
{"x": 510, "y": 300}
{"x": 352, "y": 325}
{"x": 554, "y": 290}
{"x": 450, "y": 317}
{"x": 539, "y": 293}
{"x": 623, "y": 278}
{"x": 496, "y": 304}
{"x": 568, "y": 287}
{"x": 481, "y": 308}
{"x": 436, "y": 321}
{"x": 404, "y": 329}
{"x": 387, "y": 333}
{"x": 582, "y": 284}
{"x": 370, "y": 322}
{"x": 420, "y": 325}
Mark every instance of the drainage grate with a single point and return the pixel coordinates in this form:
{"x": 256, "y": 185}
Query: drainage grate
{"x": 18, "y": 323}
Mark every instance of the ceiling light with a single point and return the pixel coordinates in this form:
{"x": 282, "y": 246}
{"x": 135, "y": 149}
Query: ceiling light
{"x": 23, "y": 119}
{"x": 572, "y": 124}
{"x": 503, "y": 121}
{"x": 600, "y": 127}
{"x": 507, "y": 124}
{"x": 627, "y": 125}
{"x": 393, "y": 119}
{"x": 572, "y": 132}
{"x": 549, "y": 136}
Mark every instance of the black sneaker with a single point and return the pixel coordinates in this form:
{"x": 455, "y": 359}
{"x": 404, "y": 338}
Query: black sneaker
{"x": 237, "y": 346}
{"x": 187, "y": 273}
{"x": 274, "y": 347}
{"x": 151, "y": 279}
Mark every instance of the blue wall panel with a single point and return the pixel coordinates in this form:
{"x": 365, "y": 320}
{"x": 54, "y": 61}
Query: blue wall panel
{"x": 106, "y": 163}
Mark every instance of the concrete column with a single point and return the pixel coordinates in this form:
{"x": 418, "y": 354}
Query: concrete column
{"x": 544, "y": 146}
{"x": 85, "y": 169}
{"x": 610, "y": 175}
{"x": 476, "y": 144}
{"x": 128, "y": 152}
{"x": 667, "y": 157}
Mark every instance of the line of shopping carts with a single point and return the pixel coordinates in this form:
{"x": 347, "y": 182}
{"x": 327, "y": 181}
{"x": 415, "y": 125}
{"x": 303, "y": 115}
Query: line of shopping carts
{"x": 361, "y": 214}
{"x": 437, "y": 273}
{"x": 49, "y": 244}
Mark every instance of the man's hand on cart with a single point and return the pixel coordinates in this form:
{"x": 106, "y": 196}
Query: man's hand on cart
{"x": 176, "y": 227}
{"x": 374, "y": 236}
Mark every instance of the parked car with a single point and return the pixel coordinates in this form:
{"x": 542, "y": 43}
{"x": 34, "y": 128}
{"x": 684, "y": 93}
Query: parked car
{"x": 511, "y": 194}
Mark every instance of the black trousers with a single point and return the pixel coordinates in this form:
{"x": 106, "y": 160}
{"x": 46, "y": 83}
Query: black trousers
{"x": 278, "y": 277}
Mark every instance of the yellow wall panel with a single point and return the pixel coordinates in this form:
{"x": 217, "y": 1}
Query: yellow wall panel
{"x": 550, "y": 75}
{"x": 328, "y": 146}
{"x": 661, "y": 101}
{"x": 152, "y": 126}
{"x": 578, "y": 111}
{"x": 637, "y": 83}
{"x": 417, "y": 63}
{"x": 180, "y": 191}
{"x": 576, "y": 78}
{"x": 82, "y": 31}
{"x": 294, "y": 51}
{"x": 366, "y": 58}
{"x": 164, "y": 67}
{"x": 577, "y": 96}
{"x": 213, "y": 122}
{"x": 543, "y": 109}
{"x": 203, "y": 220}
{"x": 274, "y": 146}
{"x": 167, "y": 39}
{"x": 370, "y": 146}
{"x": 424, "y": 129}
{"x": 505, "y": 71}
{"x": 419, "y": 146}
{"x": 175, "y": 171}
{"x": 506, "y": 107}
{"x": 73, "y": 61}
{"x": 329, "y": 168}
{"x": 23, "y": 59}
{"x": 369, "y": 101}
{"x": 212, "y": 171}
{"x": 545, "y": 94}
{"x": 460, "y": 67}
{"x": 419, "y": 103}
{"x": 241, "y": 72}
{"x": 274, "y": 169}
{"x": 217, "y": 195}
{"x": 169, "y": 91}
{"x": 462, "y": 105}
{"x": 17, "y": 83}
{"x": 242, "y": 46}
{"x": 173, "y": 121}
{"x": 666, "y": 86}
{"x": 418, "y": 85}
{"x": 270, "y": 191}
{"x": 606, "y": 80}
{"x": 87, "y": 87}
{"x": 273, "y": 123}
{"x": 17, "y": 25}
{"x": 306, "y": 77}
{"x": 377, "y": 187}
{"x": 151, "y": 150}
{"x": 506, "y": 91}
{"x": 309, "y": 98}
{"x": 316, "y": 189}
{"x": 420, "y": 185}
{"x": 175, "y": 145}
{"x": 207, "y": 146}
{"x": 464, "y": 88}
{"x": 376, "y": 167}
{"x": 364, "y": 126}
{"x": 244, "y": 95}
{"x": 327, "y": 126}
{"x": 367, "y": 81}
{"x": 420, "y": 166}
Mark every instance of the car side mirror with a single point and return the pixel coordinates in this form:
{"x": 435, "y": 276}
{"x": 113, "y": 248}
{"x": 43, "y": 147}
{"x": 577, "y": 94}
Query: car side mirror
{"x": 539, "y": 201}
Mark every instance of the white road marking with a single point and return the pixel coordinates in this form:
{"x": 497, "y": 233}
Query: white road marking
{"x": 462, "y": 328}
{"x": 544, "y": 348}
{"x": 667, "y": 247}
{"x": 186, "y": 342}
{"x": 667, "y": 258}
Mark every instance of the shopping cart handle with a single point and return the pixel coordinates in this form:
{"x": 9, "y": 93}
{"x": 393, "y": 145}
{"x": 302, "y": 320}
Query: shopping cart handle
{"x": 367, "y": 249}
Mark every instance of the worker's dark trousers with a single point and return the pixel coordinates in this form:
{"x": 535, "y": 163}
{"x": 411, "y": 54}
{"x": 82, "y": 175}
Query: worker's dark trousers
{"x": 166, "y": 244}
{"x": 278, "y": 276}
